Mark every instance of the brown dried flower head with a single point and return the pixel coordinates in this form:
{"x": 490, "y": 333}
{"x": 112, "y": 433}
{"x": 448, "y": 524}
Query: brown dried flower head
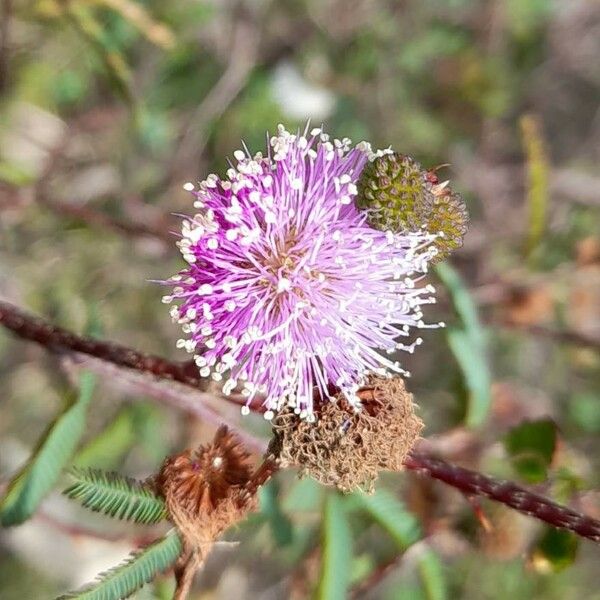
{"x": 346, "y": 447}
{"x": 209, "y": 489}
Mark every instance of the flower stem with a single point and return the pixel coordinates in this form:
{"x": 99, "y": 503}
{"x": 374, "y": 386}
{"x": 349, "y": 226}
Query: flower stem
{"x": 184, "y": 575}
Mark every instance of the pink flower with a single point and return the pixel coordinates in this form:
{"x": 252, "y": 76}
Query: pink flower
{"x": 289, "y": 292}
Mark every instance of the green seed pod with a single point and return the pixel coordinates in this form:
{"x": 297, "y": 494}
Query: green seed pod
{"x": 449, "y": 218}
{"x": 394, "y": 191}
{"x": 397, "y": 194}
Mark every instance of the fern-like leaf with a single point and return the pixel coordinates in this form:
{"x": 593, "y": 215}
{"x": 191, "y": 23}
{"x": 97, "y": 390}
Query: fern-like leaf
{"x": 117, "y": 496}
{"x": 41, "y": 472}
{"x": 386, "y": 510}
{"x": 140, "y": 568}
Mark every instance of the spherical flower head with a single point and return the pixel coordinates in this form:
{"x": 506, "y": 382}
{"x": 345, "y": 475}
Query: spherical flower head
{"x": 396, "y": 193}
{"x": 289, "y": 292}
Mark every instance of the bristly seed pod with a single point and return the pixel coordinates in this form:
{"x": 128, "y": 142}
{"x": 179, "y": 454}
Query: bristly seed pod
{"x": 448, "y": 216}
{"x": 397, "y": 194}
{"x": 394, "y": 190}
{"x": 347, "y": 447}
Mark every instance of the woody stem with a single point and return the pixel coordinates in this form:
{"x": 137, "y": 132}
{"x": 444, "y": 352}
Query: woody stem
{"x": 472, "y": 483}
{"x": 184, "y": 575}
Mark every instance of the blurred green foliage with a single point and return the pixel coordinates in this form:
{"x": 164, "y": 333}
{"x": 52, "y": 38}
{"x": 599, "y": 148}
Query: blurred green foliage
{"x": 467, "y": 343}
{"x": 531, "y": 446}
{"x": 555, "y": 550}
{"x": 41, "y": 472}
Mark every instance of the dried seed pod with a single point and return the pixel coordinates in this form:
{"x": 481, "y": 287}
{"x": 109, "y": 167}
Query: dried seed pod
{"x": 347, "y": 447}
{"x": 209, "y": 489}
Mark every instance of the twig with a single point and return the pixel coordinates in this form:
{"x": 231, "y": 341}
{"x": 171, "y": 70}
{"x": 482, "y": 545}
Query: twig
{"x": 376, "y": 577}
{"x": 86, "y": 214}
{"x": 168, "y": 392}
{"x": 243, "y": 54}
{"x": 100, "y": 219}
{"x": 76, "y": 531}
{"x": 184, "y": 575}
{"x": 128, "y": 368}
{"x": 472, "y": 483}
{"x": 56, "y": 338}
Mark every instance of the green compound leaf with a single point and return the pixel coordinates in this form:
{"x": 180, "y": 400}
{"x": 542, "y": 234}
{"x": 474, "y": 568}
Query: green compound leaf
{"x": 390, "y": 514}
{"x": 337, "y": 551}
{"x": 117, "y": 496}
{"x": 531, "y": 446}
{"x": 140, "y": 568}
{"x": 467, "y": 343}
{"x": 39, "y": 475}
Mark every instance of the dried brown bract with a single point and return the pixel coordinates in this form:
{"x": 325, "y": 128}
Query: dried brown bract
{"x": 346, "y": 447}
{"x": 211, "y": 488}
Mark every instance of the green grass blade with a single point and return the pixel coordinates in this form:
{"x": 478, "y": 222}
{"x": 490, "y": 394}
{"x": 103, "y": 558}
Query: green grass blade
{"x": 538, "y": 171}
{"x": 140, "y": 568}
{"x": 468, "y": 345}
{"x": 281, "y": 527}
{"x": 390, "y": 514}
{"x": 475, "y": 374}
{"x": 432, "y": 575}
{"x": 41, "y": 472}
{"x": 462, "y": 301}
{"x": 117, "y": 496}
{"x": 337, "y": 551}
{"x": 108, "y": 448}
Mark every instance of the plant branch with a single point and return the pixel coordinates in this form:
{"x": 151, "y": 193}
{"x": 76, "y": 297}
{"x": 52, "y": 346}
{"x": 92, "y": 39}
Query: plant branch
{"x": 175, "y": 384}
{"x": 472, "y": 483}
{"x": 56, "y": 338}
{"x": 167, "y": 392}
{"x": 135, "y": 364}
{"x": 376, "y": 577}
{"x": 103, "y": 220}
{"x": 563, "y": 336}
{"x": 243, "y": 57}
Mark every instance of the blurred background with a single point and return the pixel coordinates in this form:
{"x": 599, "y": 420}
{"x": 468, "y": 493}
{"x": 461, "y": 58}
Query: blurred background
{"x": 108, "y": 106}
